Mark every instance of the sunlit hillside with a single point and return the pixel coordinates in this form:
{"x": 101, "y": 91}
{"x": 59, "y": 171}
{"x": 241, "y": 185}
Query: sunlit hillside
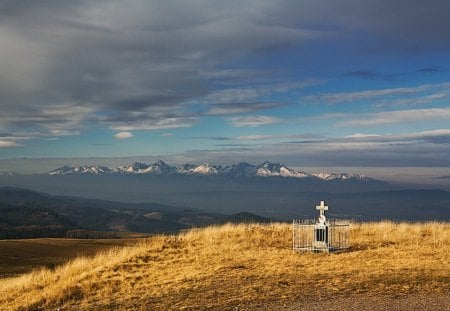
{"x": 241, "y": 265}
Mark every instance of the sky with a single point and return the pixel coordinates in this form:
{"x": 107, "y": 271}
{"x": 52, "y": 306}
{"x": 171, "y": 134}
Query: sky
{"x": 311, "y": 83}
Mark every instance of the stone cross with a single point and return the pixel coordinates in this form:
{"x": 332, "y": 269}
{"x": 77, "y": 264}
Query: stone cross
{"x": 322, "y": 208}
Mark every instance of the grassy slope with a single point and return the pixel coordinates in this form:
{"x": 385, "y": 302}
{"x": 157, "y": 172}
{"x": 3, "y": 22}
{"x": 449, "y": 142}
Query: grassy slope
{"x": 21, "y": 256}
{"x": 230, "y": 265}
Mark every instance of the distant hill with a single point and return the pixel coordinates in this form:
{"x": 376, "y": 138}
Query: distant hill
{"x": 25, "y": 213}
{"x": 246, "y": 217}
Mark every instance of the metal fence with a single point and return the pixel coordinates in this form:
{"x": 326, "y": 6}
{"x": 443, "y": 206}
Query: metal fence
{"x": 313, "y": 236}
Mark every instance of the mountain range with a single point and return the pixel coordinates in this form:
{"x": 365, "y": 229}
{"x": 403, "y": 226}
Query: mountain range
{"x": 269, "y": 189}
{"x": 241, "y": 170}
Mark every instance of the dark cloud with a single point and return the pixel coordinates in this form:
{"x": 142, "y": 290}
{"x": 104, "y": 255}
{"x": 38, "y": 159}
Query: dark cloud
{"x": 111, "y": 57}
{"x": 230, "y": 145}
{"x": 215, "y": 138}
{"x": 434, "y": 69}
{"x": 413, "y": 26}
{"x": 376, "y": 75}
{"x": 239, "y": 108}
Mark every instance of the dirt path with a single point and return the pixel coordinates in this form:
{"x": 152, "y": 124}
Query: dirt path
{"x": 435, "y": 302}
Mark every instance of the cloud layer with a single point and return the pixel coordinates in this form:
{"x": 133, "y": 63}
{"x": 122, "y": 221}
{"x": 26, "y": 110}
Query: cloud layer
{"x": 359, "y": 150}
{"x": 71, "y": 68}
{"x": 152, "y": 57}
{"x": 130, "y": 65}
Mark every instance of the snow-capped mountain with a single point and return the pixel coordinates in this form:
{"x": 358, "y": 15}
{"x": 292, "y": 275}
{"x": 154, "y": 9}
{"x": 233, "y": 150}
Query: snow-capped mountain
{"x": 202, "y": 169}
{"x": 136, "y": 168}
{"x": 157, "y": 168}
{"x": 240, "y": 170}
{"x": 269, "y": 169}
{"x": 343, "y": 176}
{"x": 162, "y": 168}
{"x": 185, "y": 169}
{"x": 90, "y": 170}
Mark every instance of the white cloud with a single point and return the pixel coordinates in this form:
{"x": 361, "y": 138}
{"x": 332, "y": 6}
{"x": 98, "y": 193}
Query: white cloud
{"x": 164, "y": 123}
{"x": 360, "y": 135}
{"x": 256, "y": 92}
{"x": 123, "y": 135}
{"x": 437, "y": 132}
{"x": 438, "y": 136}
{"x": 8, "y": 144}
{"x": 425, "y": 148}
{"x": 253, "y": 121}
{"x": 255, "y": 137}
{"x": 52, "y": 120}
{"x": 277, "y": 137}
{"x": 421, "y": 100}
{"x": 397, "y": 116}
{"x": 333, "y": 98}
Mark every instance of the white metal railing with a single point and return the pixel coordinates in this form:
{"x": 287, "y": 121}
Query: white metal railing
{"x": 310, "y": 235}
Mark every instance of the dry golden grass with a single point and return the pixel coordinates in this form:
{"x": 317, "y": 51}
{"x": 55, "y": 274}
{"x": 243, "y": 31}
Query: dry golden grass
{"x": 22, "y": 256}
{"x": 221, "y": 267}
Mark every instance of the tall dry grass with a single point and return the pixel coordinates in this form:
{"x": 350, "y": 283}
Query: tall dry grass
{"x": 238, "y": 264}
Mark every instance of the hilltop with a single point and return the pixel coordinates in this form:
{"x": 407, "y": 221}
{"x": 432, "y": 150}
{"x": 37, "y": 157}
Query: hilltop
{"x": 248, "y": 266}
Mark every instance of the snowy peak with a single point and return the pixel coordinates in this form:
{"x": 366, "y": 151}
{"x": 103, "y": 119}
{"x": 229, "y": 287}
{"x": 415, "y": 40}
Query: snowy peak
{"x": 202, "y": 169}
{"x": 135, "y": 168}
{"x": 162, "y": 168}
{"x": 185, "y": 169}
{"x": 242, "y": 169}
{"x": 85, "y": 169}
{"x": 157, "y": 168}
{"x": 267, "y": 169}
{"x": 342, "y": 176}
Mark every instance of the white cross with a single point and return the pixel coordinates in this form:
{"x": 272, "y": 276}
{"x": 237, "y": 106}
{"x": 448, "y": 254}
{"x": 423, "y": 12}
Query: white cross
{"x": 322, "y": 208}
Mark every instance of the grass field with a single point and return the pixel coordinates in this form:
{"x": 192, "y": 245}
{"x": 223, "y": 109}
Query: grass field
{"x": 21, "y": 256}
{"x": 241, "y": 265}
